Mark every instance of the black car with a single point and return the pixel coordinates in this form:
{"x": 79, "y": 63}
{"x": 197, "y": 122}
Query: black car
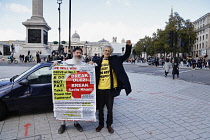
{"x": 31, "y": 89}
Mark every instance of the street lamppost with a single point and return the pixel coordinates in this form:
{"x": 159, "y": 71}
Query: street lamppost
{"x": 86, "y": 48}
{"x": 86, "y": 53}
{"x": 70, "y": 51}
{"x": 59, "y": 28}
{"x": 206, "y": 49}
{"x": 144, "y": 49}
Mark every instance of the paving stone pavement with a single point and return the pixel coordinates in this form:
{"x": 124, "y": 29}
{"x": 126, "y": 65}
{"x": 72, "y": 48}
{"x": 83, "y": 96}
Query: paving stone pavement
{"x": 158, "y": 108}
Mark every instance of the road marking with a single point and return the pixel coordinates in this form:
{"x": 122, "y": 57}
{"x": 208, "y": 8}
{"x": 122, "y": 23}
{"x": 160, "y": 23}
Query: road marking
{"x": 26, "y": 130}
{"x": 184, "y": 71}
{"x": 174, "y": 97}
{"x": 156, "y": 93}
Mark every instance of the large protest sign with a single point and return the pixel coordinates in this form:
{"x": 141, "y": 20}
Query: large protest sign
{"x": 74, "y": 93}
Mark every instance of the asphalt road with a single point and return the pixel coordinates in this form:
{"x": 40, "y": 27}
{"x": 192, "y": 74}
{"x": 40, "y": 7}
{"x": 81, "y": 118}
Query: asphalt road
{"x": 9, "y": 70}
{"x": 187, "y": 74}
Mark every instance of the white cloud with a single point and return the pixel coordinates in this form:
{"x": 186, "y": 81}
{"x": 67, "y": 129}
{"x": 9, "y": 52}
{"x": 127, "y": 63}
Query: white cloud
{"x": 18, "y": 8}
{"x": 108, "y": 3}
{"x": 9, "y": 34}
{"x": 125, "y": 2}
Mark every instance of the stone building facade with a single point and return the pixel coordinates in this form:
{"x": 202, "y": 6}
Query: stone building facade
{"x": 202, "y": 46}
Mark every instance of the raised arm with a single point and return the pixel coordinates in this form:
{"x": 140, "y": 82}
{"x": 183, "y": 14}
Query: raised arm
{"x": 127, "y": 50}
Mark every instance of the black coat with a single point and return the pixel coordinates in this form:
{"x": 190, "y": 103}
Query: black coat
{"x": 116, "y": 63}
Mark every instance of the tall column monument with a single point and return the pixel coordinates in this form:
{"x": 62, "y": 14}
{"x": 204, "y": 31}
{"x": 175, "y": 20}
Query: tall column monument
{"x": 36, "y": 30}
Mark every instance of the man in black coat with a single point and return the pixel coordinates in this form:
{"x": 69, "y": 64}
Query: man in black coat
{"x": 110, "y": 79}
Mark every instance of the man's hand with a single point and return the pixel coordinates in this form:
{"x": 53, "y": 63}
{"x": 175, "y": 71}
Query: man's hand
{"x": 55, "y": 63}
{"x": 128, "y": 42}
{"x": 90, "y": 62}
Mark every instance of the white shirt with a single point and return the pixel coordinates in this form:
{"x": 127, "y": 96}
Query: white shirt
{"x": 73, "y": 61}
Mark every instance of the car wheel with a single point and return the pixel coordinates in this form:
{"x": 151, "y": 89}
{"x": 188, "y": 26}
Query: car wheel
{"x": 3, "y": 111}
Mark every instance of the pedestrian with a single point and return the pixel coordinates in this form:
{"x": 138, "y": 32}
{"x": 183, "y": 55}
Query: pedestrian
{"x": 31, "y": 58}
{"x": 26, "y": 58}
{"x": 23, "y": 58}
{"x": 20, "y": 58}
{"x": 38, "y": 60}
{"x": 175, "y": 67}
{"x": 167, "y": 66}
{"x": 199, "y": 63}
{"x": 156, "y": 61}
{"x": 182, "y": 63}
{"x": 110, "y": 79}
{"x": 95, "y": 57}
{"x": 193, "y": 63}
{"x": 133, "y": 60}
{"x": 77, "y": 60}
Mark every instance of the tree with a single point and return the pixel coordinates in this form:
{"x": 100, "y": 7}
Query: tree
{"x": 134, "y": 53}
{"x": 184, "y": 30}
{"x": 147, "y": 42}
{"x": 188, "y": 36}
{"x": 55, "y": 42}
{"x": 63, "y": 42}
{"x": 158, "y": 43}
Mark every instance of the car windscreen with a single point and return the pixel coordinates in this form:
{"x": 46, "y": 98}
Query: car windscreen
{"x": 22, "y": 74}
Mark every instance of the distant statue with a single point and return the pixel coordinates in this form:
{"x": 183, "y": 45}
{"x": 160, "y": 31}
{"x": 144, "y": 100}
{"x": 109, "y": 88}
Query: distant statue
{"x": 13, "y": 48}
{"x": 114, "y": 39}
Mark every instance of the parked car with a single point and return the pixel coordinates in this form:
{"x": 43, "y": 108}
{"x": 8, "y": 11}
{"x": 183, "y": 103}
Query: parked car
{"x": 151, "y": 62}
{"x": 29, "y": 90}
{"x": 162, "y": 61}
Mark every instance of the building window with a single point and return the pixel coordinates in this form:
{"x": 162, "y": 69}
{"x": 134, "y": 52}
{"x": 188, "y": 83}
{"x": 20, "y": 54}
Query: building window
{"x": 6, "y": 50}
{"x": 202, "y": 45}
{"x": 206, "y": 36}
{"x": 203, "y": 37}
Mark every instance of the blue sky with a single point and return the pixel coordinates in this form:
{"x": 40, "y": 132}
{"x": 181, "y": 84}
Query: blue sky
{"x": 97, "y": 19}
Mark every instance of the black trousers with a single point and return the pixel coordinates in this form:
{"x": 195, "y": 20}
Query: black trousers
{"x": 166, "y": 73}
{"x": 105, "y": 97}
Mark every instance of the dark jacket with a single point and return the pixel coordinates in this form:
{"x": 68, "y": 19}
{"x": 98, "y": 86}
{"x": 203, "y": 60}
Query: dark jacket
{"x": 116, "y": 63}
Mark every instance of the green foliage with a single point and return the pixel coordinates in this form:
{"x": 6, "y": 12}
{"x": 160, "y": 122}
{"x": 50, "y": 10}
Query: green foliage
{"x": 63, "y": 42}
{"x": 55, "y": 42}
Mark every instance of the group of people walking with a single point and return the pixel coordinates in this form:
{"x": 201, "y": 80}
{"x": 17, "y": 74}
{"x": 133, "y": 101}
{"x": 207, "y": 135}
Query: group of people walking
{"x": 198, "y": 63}
{"x": 27, "y": 58}
{"x": 174, "y": 65}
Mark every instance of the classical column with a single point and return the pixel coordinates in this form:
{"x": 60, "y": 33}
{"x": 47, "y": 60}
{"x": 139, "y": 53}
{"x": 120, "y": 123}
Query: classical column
{"x": 37, "y": 8}
{"x": 36, "y": 30}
